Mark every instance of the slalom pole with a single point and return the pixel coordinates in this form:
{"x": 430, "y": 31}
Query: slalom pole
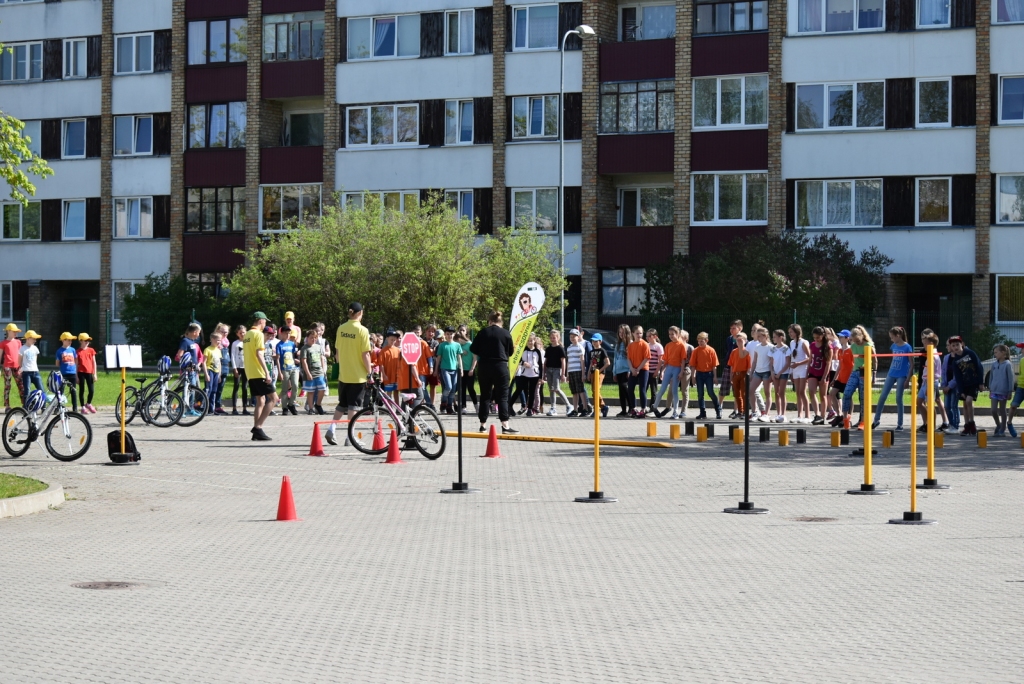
{"x": 746, "y": 506}
{"x": 912, "y": 517}
{"x": 597, "y": 496}
{"x": 460, "y": 487}
{"x": 868, "y": 486}
{"x": 930, "y": 482}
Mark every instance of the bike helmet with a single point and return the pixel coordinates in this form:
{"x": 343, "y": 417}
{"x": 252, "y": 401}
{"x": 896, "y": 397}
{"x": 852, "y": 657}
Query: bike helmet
{"x": 163, "y": 365}
{"x": 55, "y": 382}
{"x": 35, "y": 401}
{"x": 186, "y": 360}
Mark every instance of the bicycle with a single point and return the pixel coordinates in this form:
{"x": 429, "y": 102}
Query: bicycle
{"x": 67, "y": 437}
{"x": 419, "y": 426}
{"x": 155, "y": 402}
{"x": 195, "y": 401}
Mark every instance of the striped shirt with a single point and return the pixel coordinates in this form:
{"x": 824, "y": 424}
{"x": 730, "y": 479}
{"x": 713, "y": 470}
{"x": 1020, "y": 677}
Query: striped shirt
{"x": 655, "y": 362}
{"x": 574, "y": 354}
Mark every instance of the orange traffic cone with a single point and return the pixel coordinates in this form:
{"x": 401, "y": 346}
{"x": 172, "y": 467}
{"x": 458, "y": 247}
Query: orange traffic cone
{"x": 286, "y": 506}
{"x": 378, "y": 438}
{"x": 492, "y": 445}
{"x": 316, "y": 447}
{"x": 394, "y": 455}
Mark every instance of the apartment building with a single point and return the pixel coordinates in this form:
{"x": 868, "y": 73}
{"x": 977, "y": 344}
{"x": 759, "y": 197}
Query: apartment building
{"x": 183, "y": 132}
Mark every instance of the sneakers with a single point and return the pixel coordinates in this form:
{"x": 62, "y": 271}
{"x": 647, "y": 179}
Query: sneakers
{"x": 550, "y": 411}
{"x": 1011, "y": 430}
{"x": 702, "y": 416}
{"x": 780, "y": 419}
{"x": 942, "y": 428}
{"x": 818, "y": 420}
{"x": 969, "y": 429}
{"x": 569, "y": 413}
{"x": 675, "y": 416}
{"x": 604, "y": 411}
{"x": 733, "y": 415}
{"x": 329, "y": 438}
{"x": 764, "y": 418}
{"x": 258, "y": 435}
{"x": 89, "y": 407}
{"x": 875, "y": 423}
{"x": 509, "y": 431}
{"x": 220, "y": 411}
{"x": 998, "y": 432}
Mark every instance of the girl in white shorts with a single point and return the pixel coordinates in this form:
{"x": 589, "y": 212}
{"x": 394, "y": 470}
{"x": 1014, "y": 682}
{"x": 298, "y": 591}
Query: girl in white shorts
{"x": 799, "y": 364}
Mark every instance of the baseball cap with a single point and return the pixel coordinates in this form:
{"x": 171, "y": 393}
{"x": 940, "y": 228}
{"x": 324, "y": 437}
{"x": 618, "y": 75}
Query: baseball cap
{"x": 844, "y": 333}
{"x": 258, "y": 315}
{"x": 84, "y": 336}
{"x": 390, "y": 332}
{"x": 11, "y": 327}
{"x": 449, "y": 329}
{"x": 355, "y": 307}
{"x": 270, "y": 329}
{"x": 574, "y": 331}
{"x": 289, "y": 314}
{"x": 596, "y": 337}
{"x": 67, "y": 336}
{"x": 33, "y": 334}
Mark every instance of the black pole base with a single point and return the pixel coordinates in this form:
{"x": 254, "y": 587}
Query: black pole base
{"x": 460, "y": 488}
{"x": 596, "y": 497}
{"x": 867, "y": 489}
{"x": 746, "y": 507}
{"x": 932, "y": 484}
{"x": 912, "y": 518}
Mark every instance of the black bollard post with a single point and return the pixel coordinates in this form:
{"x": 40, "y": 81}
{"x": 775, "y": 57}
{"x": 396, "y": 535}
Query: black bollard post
{"x": 460, "y": 487}
{"x": 746, "y": 506}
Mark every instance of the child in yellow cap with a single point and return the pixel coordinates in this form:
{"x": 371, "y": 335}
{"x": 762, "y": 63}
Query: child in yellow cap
{"x": 86, "y": 372}
{"x": 10, "y": 350}
{"x": 30, "y": 362}
{"x": 67, "y": 362}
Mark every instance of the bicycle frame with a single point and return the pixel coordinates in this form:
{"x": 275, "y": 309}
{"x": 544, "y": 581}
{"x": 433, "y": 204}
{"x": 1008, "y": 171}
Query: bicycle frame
{"x": 392, "y": 407}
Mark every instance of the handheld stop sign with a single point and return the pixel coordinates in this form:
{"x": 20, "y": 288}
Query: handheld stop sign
{"x": 411, "y": 349}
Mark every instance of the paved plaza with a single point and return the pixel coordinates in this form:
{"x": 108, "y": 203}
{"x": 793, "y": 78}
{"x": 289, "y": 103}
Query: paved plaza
{"x": 387, "y": 580}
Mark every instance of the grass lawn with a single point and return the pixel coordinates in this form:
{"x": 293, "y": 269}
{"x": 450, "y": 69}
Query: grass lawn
{"x": 12, "y": 485}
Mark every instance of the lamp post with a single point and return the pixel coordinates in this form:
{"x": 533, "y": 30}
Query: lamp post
{"x": 583, "y": 31}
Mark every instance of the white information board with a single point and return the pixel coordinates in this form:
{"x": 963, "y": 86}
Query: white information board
{"x": 123, "y": 356}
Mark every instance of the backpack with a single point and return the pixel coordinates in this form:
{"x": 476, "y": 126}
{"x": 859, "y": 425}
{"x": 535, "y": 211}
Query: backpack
{"x": 130, "y": 455}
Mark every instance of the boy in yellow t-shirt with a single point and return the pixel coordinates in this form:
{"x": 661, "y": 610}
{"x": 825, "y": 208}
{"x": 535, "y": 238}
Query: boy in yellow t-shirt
{"x": 213, "y": 386}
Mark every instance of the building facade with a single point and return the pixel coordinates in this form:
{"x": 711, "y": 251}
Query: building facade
{"x": 182, "y": 132}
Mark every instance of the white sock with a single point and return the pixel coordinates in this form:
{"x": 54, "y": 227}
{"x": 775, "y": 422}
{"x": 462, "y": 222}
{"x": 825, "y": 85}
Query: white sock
{"x": 330, "y": 428}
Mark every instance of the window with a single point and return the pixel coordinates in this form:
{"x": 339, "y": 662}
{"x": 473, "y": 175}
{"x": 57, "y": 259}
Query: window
{"x": 934, "y": 201}
{"x": 280, "y": 204}
{"x": 11, "y": 2}
{"x": 933, "y": 103}
{"x": 648, "y": 22}
{"x": 74, "y": 220}
{"x": 303, "y": 129}
{"x": 459, "y": 32}
{"x": 212, "y": 42}
{"x": 841, "y": 15}
{"x": 646, "y": 207}
{"x": 730, "y": 198}
{"x": 1008, "y": 11}
{"x": 638, "y": 107}
{"x": 623, "y": 291}
{"x": 738, "y": 101}
{"x": 6, "y": 301}
{"x": 74, "y": 58}
{"x": 458, "y": 122}
{"x": 535, "y": 117}
{"x": 462, "y": 201}
{"x": 839, "y": 203}
{"x": 536, "y": 208}
{"x": 731, "y": 17}
{"x": 22, "y": 62}
{"x": 133, "y": 135}
{"x": 932, "y": 13}
{"x": 291, "y": 37}
{"x": 74, "y": 139}
{"x": 1011, "y": 99}
{"x": 1010, "y": 199}
{"x": 217, "y": 125}
{"x": 840, "y": 105}
{"x": 392, "y": 200}
{"x": 210, "y": 284}
{"x": 122, "y": 290}
{"x": 215, "y": 210}
{"x": 383, "y": 125}
{"x": 20, "y": 223}
{"x": 134, "y": 54}
{"x": 535, "y": 27}
{"x": 133, "y": 217}
{"x": 32, "y": 133}
{"x": 1009, "y": 299}
{"x": 387, "y": 36}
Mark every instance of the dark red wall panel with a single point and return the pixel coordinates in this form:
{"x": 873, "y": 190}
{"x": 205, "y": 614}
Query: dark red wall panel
{"x": 739, "y": 53}
{"x": 214, "y": 168}
{"x": 278, "y": 6}
{"x": 293, "y": 79}
{"x": 711, "y": 238}
{"x": 215, "y": 84}
{"x": 292, "y": 165}
{"x": 736, "y": 150}
{"x": 636, "y": 153}
{"x": 633, "y": 246}
{"x": 201, "y": 9}
{"x": 638, "y": 61}
{"x": 212, "y": 252}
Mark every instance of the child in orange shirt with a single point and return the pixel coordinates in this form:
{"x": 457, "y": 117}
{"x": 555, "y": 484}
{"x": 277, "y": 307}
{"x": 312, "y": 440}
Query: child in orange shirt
{"x": 639, "y": 354}
{"x": 86, "y": 372}
{"x": 704, "y": 360}
{"x": 845, "y": 370}
{"x": 739, "y": 366}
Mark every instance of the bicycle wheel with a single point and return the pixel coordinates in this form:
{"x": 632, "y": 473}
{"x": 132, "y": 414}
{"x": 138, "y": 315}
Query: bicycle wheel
{"x": 428, "y": 432}
{"x": 163, "y": 409}
{"x": 361, "y": 435}
{"x": 68, "y": 437}
{"x": 18, "y": 432}
{"x": 131, "y": 398}
{"x": 195, "y": 403}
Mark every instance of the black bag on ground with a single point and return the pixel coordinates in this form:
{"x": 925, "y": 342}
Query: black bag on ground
{"x": 114, "y": 448}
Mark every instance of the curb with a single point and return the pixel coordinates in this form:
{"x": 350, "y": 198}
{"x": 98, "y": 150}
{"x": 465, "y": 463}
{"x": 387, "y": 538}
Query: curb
{"x": 32, "y": 503}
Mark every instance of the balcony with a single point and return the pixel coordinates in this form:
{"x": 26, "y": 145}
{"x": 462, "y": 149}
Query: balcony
{"x": 215, "y": 83}
{"x": 214, "y": 168}
{"x": 281, "y": 6}
{"x": 729, "y": 150}
{"x": 633, "y": 246}
{"x": 212, "y": 252}
{"x": 735, "y": 53}
{"x": 304, "y": 78}
{"x": 203, "y": 9}
{"x": 711, "y": 238}
{"x": 635, "y": 152}
{"x": 638, "y": 61}
{"x": 292, "y": 165}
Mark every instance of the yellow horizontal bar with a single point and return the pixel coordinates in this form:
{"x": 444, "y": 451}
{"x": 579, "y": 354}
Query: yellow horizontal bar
{"x": 565, "y": 440}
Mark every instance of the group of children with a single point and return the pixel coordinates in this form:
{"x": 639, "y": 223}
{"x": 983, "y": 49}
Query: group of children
{"x": 20, "y": 362}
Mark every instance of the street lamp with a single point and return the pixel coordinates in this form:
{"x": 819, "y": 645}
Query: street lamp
{"x": 583, "y": 31}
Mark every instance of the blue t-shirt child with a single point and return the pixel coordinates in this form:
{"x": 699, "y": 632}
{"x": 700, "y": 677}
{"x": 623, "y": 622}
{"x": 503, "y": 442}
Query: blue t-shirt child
{"x": 900, "y": 366}
{"x": 190, "y": 346}
{"x": 68, "y": 360}
{"x": 286, "y": 355}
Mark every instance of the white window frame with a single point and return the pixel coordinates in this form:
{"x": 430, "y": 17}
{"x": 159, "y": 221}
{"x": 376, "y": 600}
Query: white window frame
{"x": 917, "y": 201}
{"x": 9, "y": 54}
{"x": 18, "y": 2}
{"x": 526, "y": 41}
{"x": 1002, "y": 121}
{"x": 638, "y": 188}
{"x": 6, "y": 300}
{"x": 824, "y": 21}
{"x": 717, "y": 220}
{"x": 135, "y": 135}
{"x": 263, "y": 229}
{"x": 63, "y": 219}
{"x": 369, "y": 132}
{"x": 447, "y": 31}
{"x": 21, "y": 222}
{"x": 1000, "y": 176}
{"x": 348, "y": 197}
{"x": 949, "y": 17}
{"x": 115, "y": 315}
{"x": 949, "y": 103}
{"x": 718, "y": 103}
{"x": 70, "y": 43}
{"x": 458, "y": 122}
{"x": 825, "y": 225}
{"x": 825, "y": 125}
{"x": 534, "y": 190}
{"x": 63, "y": 138}
{"x": 461, "y": 196}
{"x": 995, "y": 16}
{"x": 128, "y": 201}
{"x": 544, "y": 112}
{"x": 135, "y": 38}
{"x": 639, "y": 7}
{"x": 373, "y": 19}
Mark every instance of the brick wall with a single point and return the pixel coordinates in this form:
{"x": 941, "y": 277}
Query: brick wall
{"x": 499, "y": 113}
{"x": 683, "y": 109}
{"x": 106, "y": 167}
{"x": 254, "y": 133}
{"x": 981, "y": 299}
{"x": 178, "y": 48}
{"x": 777, "y": 12}
{"x": 271, "y": 123}
{"x": 331, "y": 113}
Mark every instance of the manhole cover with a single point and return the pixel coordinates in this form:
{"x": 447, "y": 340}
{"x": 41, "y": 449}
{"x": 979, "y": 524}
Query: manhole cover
{"x": 808, "y": 518}
{"x": 106, "y": 585}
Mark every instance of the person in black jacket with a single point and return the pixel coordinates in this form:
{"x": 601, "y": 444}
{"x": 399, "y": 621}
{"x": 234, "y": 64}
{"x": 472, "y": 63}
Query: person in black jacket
{"x": 493, "y": 346}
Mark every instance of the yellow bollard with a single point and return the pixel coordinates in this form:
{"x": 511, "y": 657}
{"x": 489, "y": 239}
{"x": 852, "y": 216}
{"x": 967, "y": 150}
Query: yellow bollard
{"x": 982, "y": 439}
{"x": 938, "y": 443}
{"x": 702, "y": 434}
{"x": 866, "y": 379}
{"x": 913, "y": 445}
{"x": 737, "y": 436}
{"x": 886, "y": 439}
{"x": 1022, "y": 441}
{"x": 652, "y": 429}
{"x": 783, "y": 437}
{"x": 835, "y": 439}
{"x": 674, "y": 429}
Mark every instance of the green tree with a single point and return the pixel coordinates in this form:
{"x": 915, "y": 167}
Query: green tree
{"x": 14, "y": 152}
